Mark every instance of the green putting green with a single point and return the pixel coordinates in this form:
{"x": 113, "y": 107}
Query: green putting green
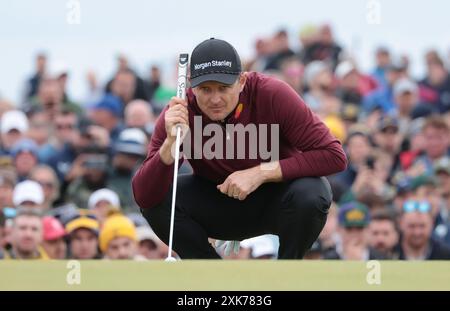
{"x": 223, "y": 275}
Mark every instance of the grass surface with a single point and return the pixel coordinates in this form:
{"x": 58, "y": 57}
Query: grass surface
{"x": 224, "y": 275}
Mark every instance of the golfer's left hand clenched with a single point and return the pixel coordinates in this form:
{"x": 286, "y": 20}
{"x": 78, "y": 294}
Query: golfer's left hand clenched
{"x": 240, "y": 184}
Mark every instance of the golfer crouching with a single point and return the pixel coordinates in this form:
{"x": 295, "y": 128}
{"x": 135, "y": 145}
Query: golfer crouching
{"x": 258, "y": 154}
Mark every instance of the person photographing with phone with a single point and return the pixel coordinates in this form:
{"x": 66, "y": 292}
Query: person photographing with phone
{"x": 232, "y": 196}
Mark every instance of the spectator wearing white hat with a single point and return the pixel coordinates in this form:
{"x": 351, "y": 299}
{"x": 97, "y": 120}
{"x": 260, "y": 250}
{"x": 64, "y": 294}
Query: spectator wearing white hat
{"x": 28, "y": 193}
{"x": 102, "y": 202}
{"x": 407, "y": 101}
{"x": 262, "y": 247}
{"x": 348, "y": 83}
{"x": 13, "y": 127}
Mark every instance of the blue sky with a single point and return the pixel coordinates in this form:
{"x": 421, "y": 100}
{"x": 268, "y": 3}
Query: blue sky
{"x": 156, "y": 31}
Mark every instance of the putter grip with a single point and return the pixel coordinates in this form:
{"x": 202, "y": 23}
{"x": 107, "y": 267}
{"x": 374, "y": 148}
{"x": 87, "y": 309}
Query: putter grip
{"x": 182, "y": 77}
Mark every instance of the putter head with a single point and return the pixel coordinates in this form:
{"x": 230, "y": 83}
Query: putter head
{"x": 172, "y": 259}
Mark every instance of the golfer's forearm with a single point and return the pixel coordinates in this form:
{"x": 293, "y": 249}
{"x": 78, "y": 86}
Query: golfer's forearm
{"x": 152, "y": 181}
{"x": 314, "y": 163}
{"x": 271, "y": 172}
{"x": 165, "y": 151}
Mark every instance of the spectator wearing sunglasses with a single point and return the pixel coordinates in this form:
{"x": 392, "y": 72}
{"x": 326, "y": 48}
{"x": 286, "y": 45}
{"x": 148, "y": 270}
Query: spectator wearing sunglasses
{"x": 416, "y": 226}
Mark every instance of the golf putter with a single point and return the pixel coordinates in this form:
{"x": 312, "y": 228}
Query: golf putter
{"x": 181, "y": 93}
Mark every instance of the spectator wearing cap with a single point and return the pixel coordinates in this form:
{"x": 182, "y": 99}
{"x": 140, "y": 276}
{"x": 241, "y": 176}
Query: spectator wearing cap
{"x": 28, "y": 193}
{"x": 130, "y": 151}
{"x": 13, "y": 127}
{"x": 83, "y": 232}
{"x": 53, "y": 241}
{"x": 387, "y": 136}
{"x": 26, "y": 236}
{"x": 46, "y": 177}
{"x": 406, "y": 97}
{"x": 150, "y": 246}
{"x": 320, "y": 95}
{"x": 107, "y": 113}
{"x": 8, "y": 180}
{"x": 118, "y": 238}
{"x": 383, "y": 98}
{"x": 259, "y": 247}
{"x": 383, "y": 233}
{"x": 354, "y": 244}
{"x": 348, "y": 83}
{"x": 25, "y": 154}
{"x": 139, "y": 114}
{"x": 102, "y": 202}
{"x": 263, "y": 248}
{"x": 416, "y": 226}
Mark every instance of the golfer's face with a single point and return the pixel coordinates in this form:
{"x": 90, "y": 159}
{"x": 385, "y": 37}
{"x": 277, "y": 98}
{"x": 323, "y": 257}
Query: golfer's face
{"x": 218, "y": 100}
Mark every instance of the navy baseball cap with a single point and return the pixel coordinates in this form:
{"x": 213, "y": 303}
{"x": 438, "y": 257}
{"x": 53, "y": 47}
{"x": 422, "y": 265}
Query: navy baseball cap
{"x": 109, "y": 103}
{"x": 214, "y": 60}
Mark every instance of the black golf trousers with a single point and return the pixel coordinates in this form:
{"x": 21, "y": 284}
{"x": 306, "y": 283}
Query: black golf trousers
{"x": 296, "y": 211}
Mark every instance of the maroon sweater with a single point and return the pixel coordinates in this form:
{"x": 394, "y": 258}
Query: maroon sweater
{"x": 306, "y": 147}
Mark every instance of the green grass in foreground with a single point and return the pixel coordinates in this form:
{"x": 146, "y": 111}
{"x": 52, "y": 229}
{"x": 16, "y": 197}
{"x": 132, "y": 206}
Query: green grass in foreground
{"x": 224, "y": 275}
